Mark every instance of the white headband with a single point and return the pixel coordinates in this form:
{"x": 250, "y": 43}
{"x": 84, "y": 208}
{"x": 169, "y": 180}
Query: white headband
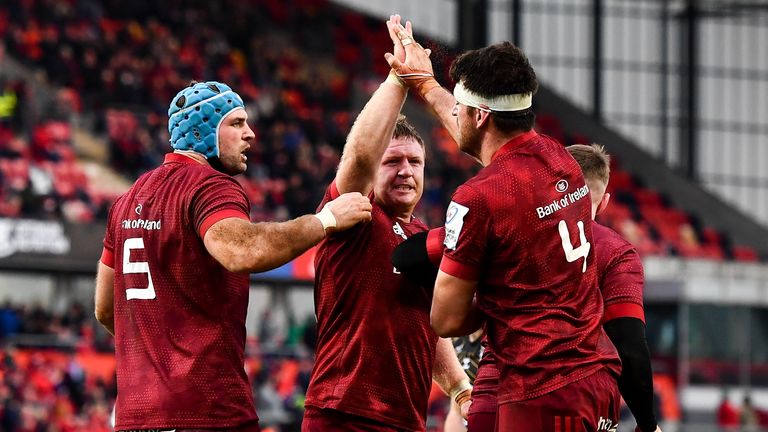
{"x": 510, "y": 102}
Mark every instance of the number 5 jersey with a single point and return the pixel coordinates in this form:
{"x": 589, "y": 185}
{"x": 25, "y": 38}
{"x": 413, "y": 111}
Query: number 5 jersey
{"x": 179, "y": 315}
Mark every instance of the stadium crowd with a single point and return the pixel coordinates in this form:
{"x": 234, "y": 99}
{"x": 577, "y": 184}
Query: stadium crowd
{"x": 44, "y": 388}
{"x": 119, "y": 65}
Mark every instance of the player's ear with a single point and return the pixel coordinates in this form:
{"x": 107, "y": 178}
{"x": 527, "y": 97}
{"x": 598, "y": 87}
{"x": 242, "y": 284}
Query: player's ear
{"x": 482, "y": 117}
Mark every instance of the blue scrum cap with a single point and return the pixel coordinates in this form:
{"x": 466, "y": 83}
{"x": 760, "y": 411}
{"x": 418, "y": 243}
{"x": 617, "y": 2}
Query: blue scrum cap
{"x": 196, "y": 113}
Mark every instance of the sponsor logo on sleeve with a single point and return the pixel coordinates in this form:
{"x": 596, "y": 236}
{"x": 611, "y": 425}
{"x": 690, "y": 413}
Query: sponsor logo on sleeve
{"x": 454, "y": 222}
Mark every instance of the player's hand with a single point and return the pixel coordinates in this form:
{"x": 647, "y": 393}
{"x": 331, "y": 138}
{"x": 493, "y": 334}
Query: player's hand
{"x": 464, "y": 409}
{"x": 393, "y": 24}
{"x": 349, "y": 209}
{"x": 415, "y": 69}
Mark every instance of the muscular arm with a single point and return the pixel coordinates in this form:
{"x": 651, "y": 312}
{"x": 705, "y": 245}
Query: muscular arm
{"x": 104, "y": 297}
{"x": 449, "y": 375}
{"x": 369, "y": 137}
{"x": 636, "y": 381}
{"x": 242, "y": 246}
{"x": 453, "y": 310}
{"x": 441, "y": 102}
{"x": 447, "y": 371}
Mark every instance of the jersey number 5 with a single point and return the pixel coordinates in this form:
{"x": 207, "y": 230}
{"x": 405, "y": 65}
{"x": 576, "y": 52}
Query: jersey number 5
{"x": 571, "y": 253}
{"x": 137, "y": 267}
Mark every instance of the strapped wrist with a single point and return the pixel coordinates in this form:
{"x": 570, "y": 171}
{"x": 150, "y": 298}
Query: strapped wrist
{"x": 326, "y": 217}
{"x": 461, "y": 392}
{"x": 392, "y": 78}
{"x": 425, "y": 86}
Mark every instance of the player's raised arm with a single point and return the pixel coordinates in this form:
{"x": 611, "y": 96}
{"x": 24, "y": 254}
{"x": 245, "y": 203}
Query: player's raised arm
{"x": 372, "y": 131}
{"x": 415, "y": 69}
{"x": 242, "y": 246}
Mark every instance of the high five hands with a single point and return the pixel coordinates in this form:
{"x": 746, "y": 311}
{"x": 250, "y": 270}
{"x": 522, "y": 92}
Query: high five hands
{"x": 409, "y": 60}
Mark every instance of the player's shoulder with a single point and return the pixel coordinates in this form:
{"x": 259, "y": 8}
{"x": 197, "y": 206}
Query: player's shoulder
{"x": 481, "y": 183}
{"x": 609, "y": 241}
{"x": 607, "y": 234}
{"x": 199, "y": 177}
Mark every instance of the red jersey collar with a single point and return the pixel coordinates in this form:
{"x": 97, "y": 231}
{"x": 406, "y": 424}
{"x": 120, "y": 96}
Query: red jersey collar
{"x": 178, "y": 157}
{"x": 514, "y": 143}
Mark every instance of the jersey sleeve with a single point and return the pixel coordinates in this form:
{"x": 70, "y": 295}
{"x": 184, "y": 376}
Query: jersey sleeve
{"x": 108, "y": 252}
{"x": 331, "y": 193}
{"x": 467, "y": 228}
{"x": 622, "y": 286}
{"x": 218, "y": 198}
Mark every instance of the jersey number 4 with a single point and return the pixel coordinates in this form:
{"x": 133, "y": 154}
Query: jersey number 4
{"x": 571, "y": 253}
{"x": 147, "y": 293}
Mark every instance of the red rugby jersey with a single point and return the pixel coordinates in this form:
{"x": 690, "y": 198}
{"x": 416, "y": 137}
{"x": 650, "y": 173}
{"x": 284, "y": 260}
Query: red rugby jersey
{"x": 179, "y": 315}
{"x": 620, "y": 277}
{"x": 620, "y": 274}
{"x": 375, "y": 346}
{"x": 522, "y": 228}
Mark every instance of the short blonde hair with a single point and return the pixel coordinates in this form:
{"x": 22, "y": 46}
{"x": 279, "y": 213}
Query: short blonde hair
{"x": 595, "y": 163}
{"x": 404, "y": 129}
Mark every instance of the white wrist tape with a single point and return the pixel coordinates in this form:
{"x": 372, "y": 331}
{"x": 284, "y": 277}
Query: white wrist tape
{"x": 326, "y": 218}
{"x": 460, "y": 388}
{"x": 392, "y": 78}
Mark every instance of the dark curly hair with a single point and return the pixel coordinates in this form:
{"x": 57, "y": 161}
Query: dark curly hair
{"x": 496, "y": 70}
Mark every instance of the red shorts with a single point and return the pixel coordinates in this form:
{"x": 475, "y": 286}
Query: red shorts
{"x": 588, "y": 405}
{"x": 323, "y": 420}
{"x": 482, "y": 412}
{"x": 481, "y": 421}
{"x": 484, "y": 389}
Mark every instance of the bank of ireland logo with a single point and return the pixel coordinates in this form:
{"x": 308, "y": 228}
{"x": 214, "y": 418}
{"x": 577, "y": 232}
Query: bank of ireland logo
{"x": 138, "y": 209}
{"x": 561, "y": 186}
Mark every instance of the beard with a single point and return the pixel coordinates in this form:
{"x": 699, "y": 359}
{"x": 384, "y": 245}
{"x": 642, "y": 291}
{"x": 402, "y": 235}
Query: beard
{"x": 227, "y": 166}
{"x": 470, "y": 140}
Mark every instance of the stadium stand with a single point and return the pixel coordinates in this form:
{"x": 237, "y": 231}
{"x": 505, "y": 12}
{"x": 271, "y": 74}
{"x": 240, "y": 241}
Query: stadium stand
{"x": 300, "y": 101}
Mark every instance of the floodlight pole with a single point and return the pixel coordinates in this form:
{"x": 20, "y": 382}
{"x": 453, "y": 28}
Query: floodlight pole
{"x": 473, "y": 24}
{"x": 688, "y": 96}
{"x": 597, "y": 59}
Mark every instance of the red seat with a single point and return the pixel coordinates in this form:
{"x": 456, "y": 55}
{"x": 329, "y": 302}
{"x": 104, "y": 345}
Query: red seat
{"x": 745, "y": 254}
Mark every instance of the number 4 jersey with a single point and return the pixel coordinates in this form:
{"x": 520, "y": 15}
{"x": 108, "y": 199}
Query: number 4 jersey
{"x": 179, "y": 315}
{"x": 522, "y": 229}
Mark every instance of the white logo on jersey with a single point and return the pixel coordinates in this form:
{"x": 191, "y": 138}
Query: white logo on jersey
{"x": 607, "y": 425}
{"x": 138, "y": 209}
{"x": 561, "y": 186}
{"x": 454, "y": 222}
{"x": 399, "y": 230}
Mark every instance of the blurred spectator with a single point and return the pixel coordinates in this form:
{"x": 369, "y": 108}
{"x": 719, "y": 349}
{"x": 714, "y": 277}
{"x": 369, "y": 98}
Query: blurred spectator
{"x": 728, "y": 418}
{"x": 749, "y": 418}
{"x": 10, "y": 321}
